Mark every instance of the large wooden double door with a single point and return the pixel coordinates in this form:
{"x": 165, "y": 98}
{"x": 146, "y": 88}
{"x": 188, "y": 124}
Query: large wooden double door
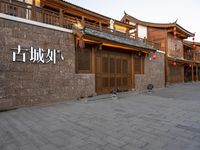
{"x": 113, "y": 70}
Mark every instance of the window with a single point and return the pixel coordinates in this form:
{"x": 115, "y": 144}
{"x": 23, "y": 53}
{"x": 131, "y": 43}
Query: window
{"x": 83, "y": 58}
{"x": 139, "y": 65}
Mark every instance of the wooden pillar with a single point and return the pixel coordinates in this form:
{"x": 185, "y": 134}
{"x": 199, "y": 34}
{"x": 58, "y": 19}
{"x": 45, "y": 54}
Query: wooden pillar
{"x": 192, "y": 72}
{"x": 145, "y": 40}
{"x": 61, "y": 17}
{"x": 127, "y": 33}
{"x": 33, "y": 11}
{"x": 132, "y": 71}
{"x": 93, "y": 62}
{"x": 0, "y": 7}
{"x": 197, "y": 78}
{"x": 114, "y": 29}
{"x": 193, "y": 55}
{"x": 136, "y": 33}
{"x": 83, "y": 21}
{"x": 100, "y": 26}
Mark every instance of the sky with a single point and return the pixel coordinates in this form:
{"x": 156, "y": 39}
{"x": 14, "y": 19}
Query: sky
{"x": 159, "y": 11}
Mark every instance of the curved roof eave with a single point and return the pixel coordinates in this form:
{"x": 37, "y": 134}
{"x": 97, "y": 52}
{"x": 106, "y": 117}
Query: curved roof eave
{"x": 159, "y": 25}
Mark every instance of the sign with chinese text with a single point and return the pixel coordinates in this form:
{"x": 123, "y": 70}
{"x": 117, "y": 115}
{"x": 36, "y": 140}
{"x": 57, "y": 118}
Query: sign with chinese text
{"x": 36, "y": 55}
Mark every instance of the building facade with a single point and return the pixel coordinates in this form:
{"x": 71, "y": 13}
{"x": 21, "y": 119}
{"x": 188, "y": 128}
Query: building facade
{"x": 192, "y": 54}
{"x": 54, "y": 51}
{"x": 171, "y": 38}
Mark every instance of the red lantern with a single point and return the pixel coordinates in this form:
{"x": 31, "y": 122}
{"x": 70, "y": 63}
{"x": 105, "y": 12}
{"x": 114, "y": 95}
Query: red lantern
{"x": 81, "y": 44}
{"x": 174, "y": 64}
{"x": 174, "y": 32}
{"x": 193, "y": 46}
{"x": 154, "y": 56}
{"x": 190, "y": 65}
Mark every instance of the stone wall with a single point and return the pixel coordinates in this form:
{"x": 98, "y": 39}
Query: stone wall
{"x": 154, "y": 73}
{"x": 28, "y": 83}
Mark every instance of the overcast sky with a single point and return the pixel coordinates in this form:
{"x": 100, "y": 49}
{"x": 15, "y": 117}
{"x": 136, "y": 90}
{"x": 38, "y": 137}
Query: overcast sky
{"x": 160, "y": 11}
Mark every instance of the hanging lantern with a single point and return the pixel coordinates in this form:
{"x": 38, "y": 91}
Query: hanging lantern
{"x": 190, "y": 65}
{"x": 193, "y": 46}
{"x": 154, "y": 56}
{"x": 174, "y": 32}
{"x": 174, "y": 63}
{"x": 81, "y": 44}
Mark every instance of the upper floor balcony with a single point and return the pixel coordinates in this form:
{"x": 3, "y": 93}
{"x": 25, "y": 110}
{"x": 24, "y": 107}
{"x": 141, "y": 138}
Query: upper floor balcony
{"x": 191, "y": 53}
{"x": 59, "y": 17}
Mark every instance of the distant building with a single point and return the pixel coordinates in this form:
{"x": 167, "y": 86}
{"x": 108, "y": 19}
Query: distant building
{"x": 179, "y": 60}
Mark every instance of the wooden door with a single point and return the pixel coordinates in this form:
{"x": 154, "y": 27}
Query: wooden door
{"x": 113, "y": 70}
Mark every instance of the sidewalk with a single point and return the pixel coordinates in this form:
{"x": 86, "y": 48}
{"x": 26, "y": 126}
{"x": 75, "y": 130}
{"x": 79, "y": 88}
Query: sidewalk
{"x": 166, "y": 119}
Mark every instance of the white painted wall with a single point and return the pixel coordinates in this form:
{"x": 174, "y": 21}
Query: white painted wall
{"x": 142, "y": 31}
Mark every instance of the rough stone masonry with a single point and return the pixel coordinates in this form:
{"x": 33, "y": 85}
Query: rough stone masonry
{"x": 28, "y": 83}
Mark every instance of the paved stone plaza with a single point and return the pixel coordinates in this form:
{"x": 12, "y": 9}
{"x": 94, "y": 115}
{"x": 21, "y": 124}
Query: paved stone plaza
{"x": 166, "y": 119}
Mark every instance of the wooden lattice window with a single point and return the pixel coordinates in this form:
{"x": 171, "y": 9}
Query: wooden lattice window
{"x": 83, "y": 58}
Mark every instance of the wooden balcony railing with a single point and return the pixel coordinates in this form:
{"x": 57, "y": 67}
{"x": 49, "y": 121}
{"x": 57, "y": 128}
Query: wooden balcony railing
{"x": 192, "y": 55}
{"x": 150, "y": 43}
{"x": 197, "y": 56}
{"x": 32, "y": 12}
{"x": 189, "y": 55}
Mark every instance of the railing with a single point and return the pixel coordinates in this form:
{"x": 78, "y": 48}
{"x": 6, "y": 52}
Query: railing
{"x": 192, "y": 55}
{"x": 189, "y": 55}
{"x": 197, "y": 56}
{"x": 32, "y": 12}
{"x": 152, "y": 44}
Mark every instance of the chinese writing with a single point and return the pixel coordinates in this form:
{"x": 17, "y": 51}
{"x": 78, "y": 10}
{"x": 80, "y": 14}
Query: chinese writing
{"x": 37, "y": 55}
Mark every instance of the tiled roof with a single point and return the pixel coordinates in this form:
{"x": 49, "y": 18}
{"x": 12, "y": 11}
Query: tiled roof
{"x": 115, "y": 38}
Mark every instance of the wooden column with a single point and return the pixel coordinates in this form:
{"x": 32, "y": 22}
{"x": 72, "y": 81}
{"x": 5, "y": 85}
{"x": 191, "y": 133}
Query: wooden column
{"x": 114, "y": 30}
{"x": 33, "y": 14}
{"x": 197, "y": 78}
{"x": 136, "y": 33}
{"x": 83, "y": 21}
{"x": 127, "y": 33}
{"x": 93, "y": 62}
{"x": 132, "y": 71}
{"x": 192, "y": 72}
{"x": 0, "y": 8}
{"x": 61, "y": 17}
{"x": 100, "y": 26}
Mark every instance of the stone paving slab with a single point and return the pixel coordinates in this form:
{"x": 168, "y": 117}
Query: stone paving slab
{"x": 163, "y": 119}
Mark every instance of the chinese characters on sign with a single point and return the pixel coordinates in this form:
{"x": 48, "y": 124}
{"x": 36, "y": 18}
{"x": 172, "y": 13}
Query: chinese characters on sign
{"x": 38, "y": 55}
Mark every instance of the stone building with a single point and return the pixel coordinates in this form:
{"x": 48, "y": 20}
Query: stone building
{"x": 50, "y": 53}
